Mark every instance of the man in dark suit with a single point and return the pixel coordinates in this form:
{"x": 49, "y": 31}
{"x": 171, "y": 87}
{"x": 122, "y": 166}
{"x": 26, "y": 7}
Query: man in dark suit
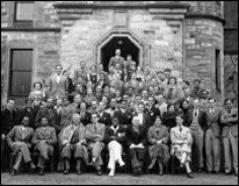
{"x": 151, "y": 109}
{"x": 49, "y": 112}
{"x": 9, "y": 117}
{"x": 196, "y": 121}
{"x": 124, "y": 114}
{"x": 104, "y": 117}
{"x": 144, "y": 118}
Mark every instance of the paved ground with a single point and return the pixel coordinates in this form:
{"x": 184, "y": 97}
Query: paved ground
{"x": 124, "y": 179}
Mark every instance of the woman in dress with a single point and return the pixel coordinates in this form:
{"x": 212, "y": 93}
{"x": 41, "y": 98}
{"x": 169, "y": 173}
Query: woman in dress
{"x": 158, "y": 137}
{"x": 173, "y": 92}
{"x": 37, "y": 91}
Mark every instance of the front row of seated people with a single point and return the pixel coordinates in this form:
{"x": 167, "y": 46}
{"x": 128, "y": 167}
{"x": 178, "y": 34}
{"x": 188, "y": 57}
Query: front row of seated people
{"x": 85, "y": 143}
{"x": 77, "y": 141}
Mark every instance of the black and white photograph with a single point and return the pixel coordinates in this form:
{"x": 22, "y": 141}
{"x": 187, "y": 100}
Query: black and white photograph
{"x": 119, "y": 92}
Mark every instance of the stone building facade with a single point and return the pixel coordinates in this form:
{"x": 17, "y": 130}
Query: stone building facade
{"x": 186, "y": 36}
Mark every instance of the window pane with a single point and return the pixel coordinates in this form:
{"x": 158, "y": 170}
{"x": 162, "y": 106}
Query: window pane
{"x": 22, "y": 60}
{"x": 20, "y": 83}
{"x": 24, "y": 11}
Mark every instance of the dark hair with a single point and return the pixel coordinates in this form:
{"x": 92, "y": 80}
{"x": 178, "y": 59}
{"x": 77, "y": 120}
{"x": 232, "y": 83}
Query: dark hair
{"x": 34, "y": 84}
{"x": 196, "y": 80}
{"x": 167, "y": 70}
{"x": 174, "y": 80}
{"x": 181, "y": 104}
{"x": 186, "y": 82}
{"x": 227, "y": 99}
{"x": 169, "y": 105}
{"x": 11, "y": 99}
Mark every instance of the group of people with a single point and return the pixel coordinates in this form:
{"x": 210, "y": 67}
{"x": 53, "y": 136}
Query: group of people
{"x": 142, "y": 115}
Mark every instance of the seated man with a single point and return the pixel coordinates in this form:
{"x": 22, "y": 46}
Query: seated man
{"x": 44, "y": 139}
{"x": 19, "y": 140}
{"x": 136, "y": 139}
{"x": 114, "y": 136}
{"x": 95, "y": 132}
{"x": 181, "y": 144}
{"x": 72, "y": 140}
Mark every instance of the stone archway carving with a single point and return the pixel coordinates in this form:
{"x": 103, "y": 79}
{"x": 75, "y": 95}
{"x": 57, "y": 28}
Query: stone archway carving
{"x": 121, "y": 32}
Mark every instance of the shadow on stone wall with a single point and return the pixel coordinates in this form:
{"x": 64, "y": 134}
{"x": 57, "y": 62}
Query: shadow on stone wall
{"x": 231, "y": 77}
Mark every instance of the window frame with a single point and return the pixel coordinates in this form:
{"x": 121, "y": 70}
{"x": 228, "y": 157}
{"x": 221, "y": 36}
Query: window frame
{"x": 26, "y": 22}
{"x": 11, "y": 72}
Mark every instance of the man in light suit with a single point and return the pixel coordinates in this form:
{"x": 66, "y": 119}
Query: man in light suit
{"x": 95, "y": 133}
{"x": 229, "y": 119}
{"x": 19, "y": 140}
{"x": 117, "y": 59}
{"x": 57, "y": 84}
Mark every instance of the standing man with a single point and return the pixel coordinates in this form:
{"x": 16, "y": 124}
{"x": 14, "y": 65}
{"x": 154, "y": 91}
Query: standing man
{"x": 117, "y": 59}
{"x": 212, "y": 137}
{"x": 57, "y": 84}
{"x": 95, "y": 133}
{"x": 44, "y": 140}
{"x": 196, "y": 121}
{"x": 229, "y": 119}
{"x": 19, "y": 140}
{"x": 9, "y": 117}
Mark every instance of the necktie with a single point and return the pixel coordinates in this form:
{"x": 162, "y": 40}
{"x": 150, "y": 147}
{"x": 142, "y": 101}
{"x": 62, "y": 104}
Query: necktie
{"x": 195, "y": 113}
{"x": 180, "y": 128}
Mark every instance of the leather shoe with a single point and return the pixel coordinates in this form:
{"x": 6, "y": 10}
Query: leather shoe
{"x": 189, "y": 175}
{"x": 14, "y": 172}
{"x": 41, "y": 172}
{"x": 78, "y": 172}
{"x": 99, "y": 172}
{"x": 66, "y": 171}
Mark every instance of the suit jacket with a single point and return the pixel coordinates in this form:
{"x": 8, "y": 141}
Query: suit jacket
{"x": 94, "y": 134}
{"x": 146, "y": 121}
{"x": 46, "y": 133}
{"x": 169, "y": 119}
{"x": 119, "y": 133}
{"x": 105, "y": 119}
{"x": 50, "y": 113}
{"x": 57, "y": 89}
{"x": 201, "y": 118}
{"x": 19, "y": 134}
{"x": 7, "y": 122}
{"x": 213, "y": 120}
{"x": 30, "y": 113}
{"x": 230, "y": 122}
{"x": 177, "y": 94}
{"x": 153, "y": 113}
{"x": 124, "y": 117}
{"x": 133, "y": 137}
{"x": 113, "y": 61}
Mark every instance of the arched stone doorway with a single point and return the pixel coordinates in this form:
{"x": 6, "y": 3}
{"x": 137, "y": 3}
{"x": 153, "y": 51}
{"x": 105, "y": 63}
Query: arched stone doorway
{"x": 123, "y": 39}
{"x": 124, "y": 44}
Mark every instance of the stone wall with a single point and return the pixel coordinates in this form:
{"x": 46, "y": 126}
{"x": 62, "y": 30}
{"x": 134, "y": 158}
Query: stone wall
{"x": 201, "y": 38}
{"x": 78, "y": 41}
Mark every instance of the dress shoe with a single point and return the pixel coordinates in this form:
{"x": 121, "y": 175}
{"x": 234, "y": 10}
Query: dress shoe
{"x": 160, "y": 173}
{"x": 41, "y": 172}
{"x": 112, "y": 172}
{"x": 66, "y": 171}
{"x": 200, "y": 170}
{"x": 189, "y": 175}
{"x": 99, "y": 172}
{"x": 14, "y": 172}
{"x": 228, "y": 172}
{"x": 236, "y": 173}
{"x": 78, "y": 172}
